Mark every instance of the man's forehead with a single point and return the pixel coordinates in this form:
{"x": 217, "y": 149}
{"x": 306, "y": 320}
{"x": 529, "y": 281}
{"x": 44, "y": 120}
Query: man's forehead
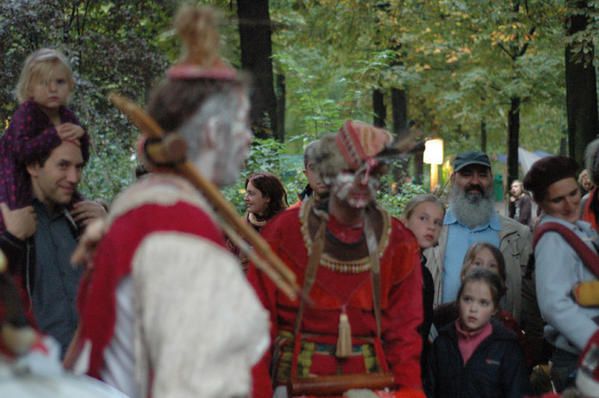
{"x": 474, "y": 168}
{"x": 67, "y": 151}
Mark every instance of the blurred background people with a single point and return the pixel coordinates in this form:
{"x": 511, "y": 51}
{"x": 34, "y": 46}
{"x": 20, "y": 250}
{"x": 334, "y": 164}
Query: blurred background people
{"x": 585, "y": 182}
{"x": 520, "y": 208}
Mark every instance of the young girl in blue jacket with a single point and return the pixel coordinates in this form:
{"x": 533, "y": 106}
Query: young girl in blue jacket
{"x": 476, "y": 356}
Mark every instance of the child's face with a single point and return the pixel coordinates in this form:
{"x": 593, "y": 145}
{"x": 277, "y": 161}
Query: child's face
{"x": 425, "y": 222}
{"x": 51, "y": 91}
{"x": 483, "y": 259}
{"x": 476, "y": 305}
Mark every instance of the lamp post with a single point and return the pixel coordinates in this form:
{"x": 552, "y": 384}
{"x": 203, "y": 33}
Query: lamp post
{"x": 433, "y": 155}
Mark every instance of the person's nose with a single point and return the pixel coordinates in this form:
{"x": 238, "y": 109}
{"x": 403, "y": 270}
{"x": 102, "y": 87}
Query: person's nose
{"x": 73, "y": 175}
{"x": 52, "y": 86}
{"x": 572, "y": 203}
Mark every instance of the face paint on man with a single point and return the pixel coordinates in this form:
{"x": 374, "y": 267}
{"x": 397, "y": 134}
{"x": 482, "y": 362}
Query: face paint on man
{"x": 354, "y": 189}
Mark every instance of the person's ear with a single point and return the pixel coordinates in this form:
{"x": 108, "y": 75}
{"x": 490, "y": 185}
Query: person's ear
{"x": 33, "y": 169}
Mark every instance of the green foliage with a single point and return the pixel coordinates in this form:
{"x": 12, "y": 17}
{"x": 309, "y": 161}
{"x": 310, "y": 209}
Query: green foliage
{"x": 395, "y": 203}
{"x": 459, "y": 61}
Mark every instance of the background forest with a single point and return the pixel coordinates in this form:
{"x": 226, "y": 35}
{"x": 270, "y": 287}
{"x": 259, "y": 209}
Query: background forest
{"x": 492, "y": 75}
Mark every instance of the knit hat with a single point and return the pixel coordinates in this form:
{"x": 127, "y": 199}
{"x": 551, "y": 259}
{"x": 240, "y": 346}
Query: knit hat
{"x": 354, "y": 146}
{"x": 587, "y": 377}
{"x": 545, "y": 172}
{"x": 359, "y": 142}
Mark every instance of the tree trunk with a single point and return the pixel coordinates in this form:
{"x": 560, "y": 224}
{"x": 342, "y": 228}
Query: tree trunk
{"x": 399, "y": 106}
{"x": 256, "y": 52}
{"x": 513, "y": 140}
{"x": 483, "y": 136}
{"x": 581, "y": 90}
{"x": 281, "y": 107}
{"x": 418, "y": 168}
{"x": 378, "y": 108}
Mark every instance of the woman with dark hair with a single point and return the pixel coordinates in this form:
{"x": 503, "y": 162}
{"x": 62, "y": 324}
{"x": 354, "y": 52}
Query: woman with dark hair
{"x": 565, "y": 256}
{"x": 265, "y": 197}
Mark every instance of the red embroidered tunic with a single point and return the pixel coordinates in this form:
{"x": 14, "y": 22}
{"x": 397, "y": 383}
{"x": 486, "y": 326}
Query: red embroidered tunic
{"x": 401, "y": 299}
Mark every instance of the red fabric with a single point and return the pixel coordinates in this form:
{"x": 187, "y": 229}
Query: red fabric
{"x": 587, "y": 213}
{"x": 401, "y": 287}
{"x": 112, "y": 262}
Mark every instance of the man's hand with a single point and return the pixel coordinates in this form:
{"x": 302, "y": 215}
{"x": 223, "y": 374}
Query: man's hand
{"x": 70, "y": 132}
{"x": 20, "y": 222}
{"x": 86, "y": 211}
{"x": 84, "y": 252}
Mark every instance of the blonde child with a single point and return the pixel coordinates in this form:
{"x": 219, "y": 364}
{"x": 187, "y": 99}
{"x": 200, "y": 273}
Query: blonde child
{"x": 423, "y": 215}
{"x": 476, "y": 356}
{"x": 484, "y": 255}
{"x": 40, "y": 123}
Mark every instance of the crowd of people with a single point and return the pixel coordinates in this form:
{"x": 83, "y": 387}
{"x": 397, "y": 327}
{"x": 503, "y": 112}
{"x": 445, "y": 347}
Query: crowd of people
{"x": 451, "y": 300}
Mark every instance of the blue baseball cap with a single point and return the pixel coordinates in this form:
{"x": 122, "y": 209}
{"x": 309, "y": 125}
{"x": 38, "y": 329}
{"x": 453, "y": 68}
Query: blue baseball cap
{"x": 469, "y": 158}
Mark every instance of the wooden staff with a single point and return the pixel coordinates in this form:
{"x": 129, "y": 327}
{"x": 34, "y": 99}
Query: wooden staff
{"x": 174, "y": 147}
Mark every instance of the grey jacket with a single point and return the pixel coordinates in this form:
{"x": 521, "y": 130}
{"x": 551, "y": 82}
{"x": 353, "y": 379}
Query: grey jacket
{"x": 515, "y": 242}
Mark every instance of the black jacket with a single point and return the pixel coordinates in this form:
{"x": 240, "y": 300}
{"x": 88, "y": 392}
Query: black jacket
{"x": 496, "y": 369}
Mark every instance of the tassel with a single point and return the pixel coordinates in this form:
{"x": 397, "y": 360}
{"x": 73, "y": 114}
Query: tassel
{"x": 344, "y": 346}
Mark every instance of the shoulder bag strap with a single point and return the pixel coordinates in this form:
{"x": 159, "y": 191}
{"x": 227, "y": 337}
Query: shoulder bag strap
{"x": 588, "y": 257}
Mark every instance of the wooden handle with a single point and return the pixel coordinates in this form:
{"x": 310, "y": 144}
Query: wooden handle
{"x": 273, "y": 267}
{"x": 338, "y": 384}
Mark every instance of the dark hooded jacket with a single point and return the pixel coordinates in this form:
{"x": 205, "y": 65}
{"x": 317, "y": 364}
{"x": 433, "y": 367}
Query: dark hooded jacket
{"x": 496, "y": 368}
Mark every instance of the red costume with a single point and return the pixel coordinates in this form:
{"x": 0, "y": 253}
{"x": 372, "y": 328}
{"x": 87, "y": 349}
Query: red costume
{"x": 589, "y": 214}
{"x": 345, "y": 286}
{"x": 196, "y": 322}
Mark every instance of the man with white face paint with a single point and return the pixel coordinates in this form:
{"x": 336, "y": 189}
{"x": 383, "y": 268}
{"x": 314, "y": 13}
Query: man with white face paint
{"x": 359, "y": 266}
{"x": 471, "y": 218}
{"x": 167, "y": 311}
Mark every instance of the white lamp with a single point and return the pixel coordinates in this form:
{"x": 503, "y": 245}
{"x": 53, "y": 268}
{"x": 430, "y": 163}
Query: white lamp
{"x": 433, "y": 155}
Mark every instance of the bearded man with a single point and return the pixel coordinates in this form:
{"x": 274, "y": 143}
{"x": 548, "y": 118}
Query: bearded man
{"x": 471, "y": 218}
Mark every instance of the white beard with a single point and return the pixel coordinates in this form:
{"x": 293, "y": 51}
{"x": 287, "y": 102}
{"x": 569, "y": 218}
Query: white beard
{"x": 471, "y": 210}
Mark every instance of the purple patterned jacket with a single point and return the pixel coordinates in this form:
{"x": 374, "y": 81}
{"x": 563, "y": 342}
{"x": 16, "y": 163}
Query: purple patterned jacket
{"x": 30, "y": 136}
